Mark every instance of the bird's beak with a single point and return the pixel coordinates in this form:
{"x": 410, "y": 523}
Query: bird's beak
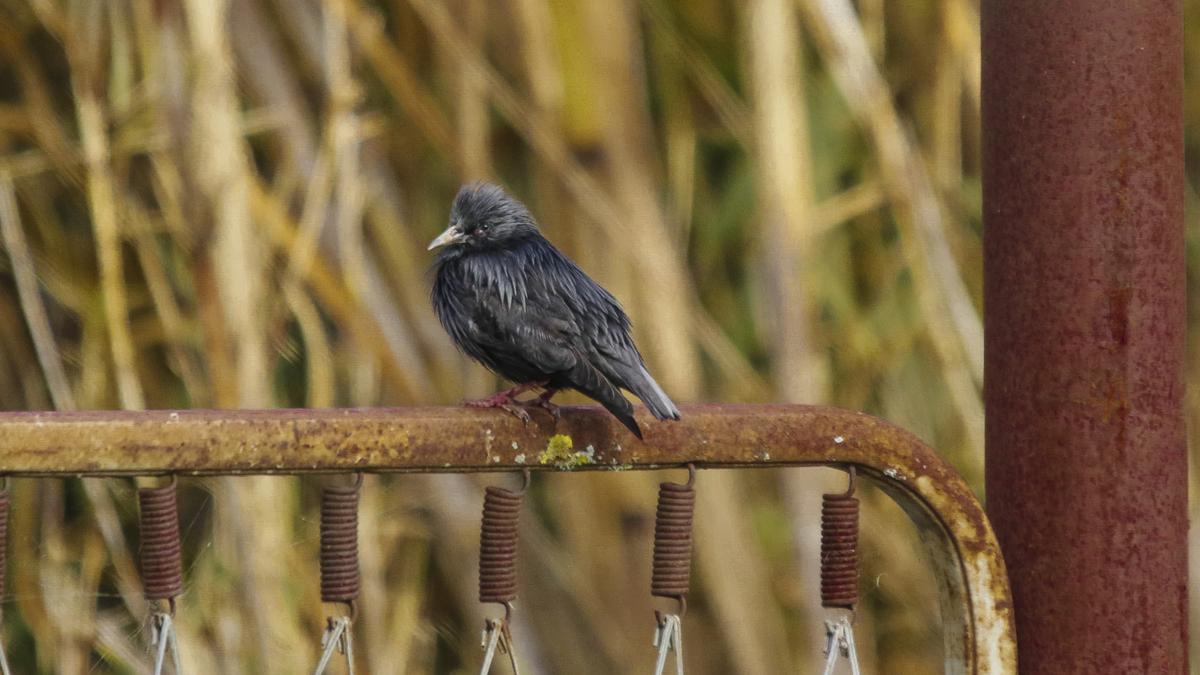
{"x": 452, "y": 235}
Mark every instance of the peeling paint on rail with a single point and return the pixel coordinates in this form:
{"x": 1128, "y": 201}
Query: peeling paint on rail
{"x": 975, "y": 599}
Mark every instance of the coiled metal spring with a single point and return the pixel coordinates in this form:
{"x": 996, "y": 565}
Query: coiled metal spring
{"x": 672, "y": 572}
{"x": 162, "y": 559}
{"x": 498, "y": 544}
{"x": 839, "y": 548}
{"x": 339, "y": 543}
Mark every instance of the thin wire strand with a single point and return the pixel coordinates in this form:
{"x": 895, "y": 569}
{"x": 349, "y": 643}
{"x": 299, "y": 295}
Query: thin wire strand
{"x": 491, "y": 640}
{"x": 497, "y": 637}
{"x": 337, "y": 637}
{"x": 162, "y": 634}
{"x": 840, "y": 643}
{"x": 668, "y": 636}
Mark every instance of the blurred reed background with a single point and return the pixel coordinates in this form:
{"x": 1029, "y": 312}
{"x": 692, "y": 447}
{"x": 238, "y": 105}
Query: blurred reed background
{"x": 208, "y": 203}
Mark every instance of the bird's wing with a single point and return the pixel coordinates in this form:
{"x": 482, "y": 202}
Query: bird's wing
{"x": 540, "y": 331}
{"x": 597, "y": 315}
{"x": 546, "y": 333}
{"x": 604, "y": 328}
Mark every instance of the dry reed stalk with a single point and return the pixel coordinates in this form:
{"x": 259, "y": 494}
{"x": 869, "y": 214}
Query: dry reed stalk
{"x": 344, "y": 131}
{"x": 785, "y": 196}
{"x": 373, "y": 634}
{"x": 788, "y": 242}
{"x": 108, "y": 244}
{"x": 471, "y": 101}
{"x": 313, "y": 213}
{"x": 402, "y": 254}
{"x": 167, "y": 309}
{"x": 629, "y": 145}
{"x": 402, "y": 82}
{"x": 241, "y": 266}
{"x": 732, "y": 111}
{"x": 543, "y": 68}
{"x": 27, "y": 519}
{"x": 61, "y": 585}
{"x": 940, "y": 289}
{"x": 601, "y": 597}
{"x": 960, "y": 22}
{"x": 35, "y": 317}
{"x": 847, "y": 205}
{"x": 108, "y": 522}
{"x": 734, "y": 575}
{"x": 404, "y": 550}
{"x": 116, "y": 647}
{"x": 329, "y": 289}
{"x": 38, "y": 103}
{"x": 318, "y": 355}
{"x": 268, "y": 70}
{"x": 31, "y": 300}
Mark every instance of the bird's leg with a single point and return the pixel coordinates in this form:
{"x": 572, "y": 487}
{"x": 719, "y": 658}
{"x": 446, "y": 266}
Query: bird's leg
{"x": 543, "y": 402}
{"x": 502, "y": 397}
{"x": 506, "y": 400}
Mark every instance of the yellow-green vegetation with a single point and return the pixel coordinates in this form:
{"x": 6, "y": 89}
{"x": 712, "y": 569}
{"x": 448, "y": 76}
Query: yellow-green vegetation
{"x": 219, "y": 203}
{"x": 560, "y": 451}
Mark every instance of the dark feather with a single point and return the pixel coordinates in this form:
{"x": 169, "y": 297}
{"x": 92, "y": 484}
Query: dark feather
{"x": 519, "y": 306}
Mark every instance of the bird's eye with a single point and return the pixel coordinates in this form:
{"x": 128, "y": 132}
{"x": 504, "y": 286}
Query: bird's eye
{"x": 484, "y": 227}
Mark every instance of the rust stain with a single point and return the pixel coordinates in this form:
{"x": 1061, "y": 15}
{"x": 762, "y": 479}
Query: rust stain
{"x": 461, "y": 439}
{"x": 1085, "y": 302}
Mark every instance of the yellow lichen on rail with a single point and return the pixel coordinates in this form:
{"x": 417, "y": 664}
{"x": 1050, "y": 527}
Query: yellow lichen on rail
{"x": 560, "y": 451}
{"x": 977, "y": 610}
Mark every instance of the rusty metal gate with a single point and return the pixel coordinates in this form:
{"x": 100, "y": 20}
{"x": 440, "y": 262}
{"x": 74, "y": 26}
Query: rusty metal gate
{"x": 977, "y": 612}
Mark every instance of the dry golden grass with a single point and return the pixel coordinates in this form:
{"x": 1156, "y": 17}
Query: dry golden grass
{"x": 215, "y": 203}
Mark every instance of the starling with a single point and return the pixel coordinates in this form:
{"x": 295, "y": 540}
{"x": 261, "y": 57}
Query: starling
{"x": 516, "y": 304}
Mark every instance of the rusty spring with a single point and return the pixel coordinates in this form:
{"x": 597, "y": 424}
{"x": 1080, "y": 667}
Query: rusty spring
{"x": 839, "y": 548}
{"x": 498, "y": 544}
{"x": 162, "y": 559}
{"x": 339, "y": 542}
{"x": 672, "y": 573}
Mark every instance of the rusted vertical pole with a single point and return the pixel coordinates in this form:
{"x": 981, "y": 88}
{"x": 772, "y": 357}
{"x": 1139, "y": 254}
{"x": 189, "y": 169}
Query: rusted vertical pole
{"x": 1084, "y": 294}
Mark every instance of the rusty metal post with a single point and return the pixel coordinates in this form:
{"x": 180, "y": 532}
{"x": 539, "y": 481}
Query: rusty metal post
{"x": 1084, "y": 294}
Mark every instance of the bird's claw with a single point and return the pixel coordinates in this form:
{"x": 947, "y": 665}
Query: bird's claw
{"x": 516, "y": 409}
{"x": 507, "y": 401}
{"x": 553, "y": 409}
{"x": 503, "y": 401}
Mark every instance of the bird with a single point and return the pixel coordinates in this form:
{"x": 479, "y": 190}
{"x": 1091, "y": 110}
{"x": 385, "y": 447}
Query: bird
{"x": 516, "y": 304}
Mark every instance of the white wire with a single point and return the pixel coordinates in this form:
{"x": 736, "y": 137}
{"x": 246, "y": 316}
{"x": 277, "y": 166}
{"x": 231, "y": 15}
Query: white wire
{"x": 668, "y": 636}
{"x": 4, "y": 663}
{"x": 840, "y": 642}
{"x": 337, "y": 637}
{"x": 162, "y": 633}
{"x": 493, "y": 639}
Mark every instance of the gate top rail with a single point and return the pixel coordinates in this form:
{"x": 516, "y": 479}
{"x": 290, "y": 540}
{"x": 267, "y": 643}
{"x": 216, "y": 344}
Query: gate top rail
{"x": 975, "y": 598}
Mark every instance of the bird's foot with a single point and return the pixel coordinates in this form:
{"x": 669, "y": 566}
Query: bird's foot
{"x": 518, "y": 411}
{"x": 543, "y": 402}
{"x": 506, "y": 400}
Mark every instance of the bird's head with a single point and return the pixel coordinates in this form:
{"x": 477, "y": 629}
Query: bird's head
{"x": 485, "y": 216}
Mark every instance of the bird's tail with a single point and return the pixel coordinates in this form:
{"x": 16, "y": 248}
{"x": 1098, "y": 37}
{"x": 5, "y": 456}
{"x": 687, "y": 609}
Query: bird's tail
{"x": 592, "y": 383}
{"x": 644, "y": 386}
